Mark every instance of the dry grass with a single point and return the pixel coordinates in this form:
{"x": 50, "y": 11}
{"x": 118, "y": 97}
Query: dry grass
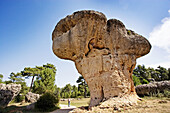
{"x": 77, "y": 103}
{"x": 19, "y": 104}
{"x": 148, "y": 105}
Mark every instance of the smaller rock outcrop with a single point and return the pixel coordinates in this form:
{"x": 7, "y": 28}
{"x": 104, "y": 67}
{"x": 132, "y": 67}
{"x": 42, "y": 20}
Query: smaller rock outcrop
{"x": 152, "y": 87}
{"x": 32, "y": 97}
{"x": 8, "y": 92}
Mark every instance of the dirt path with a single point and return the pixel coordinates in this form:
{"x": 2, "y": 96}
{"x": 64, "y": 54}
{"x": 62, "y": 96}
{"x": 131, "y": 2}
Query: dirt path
{"x": 64, "y": 109}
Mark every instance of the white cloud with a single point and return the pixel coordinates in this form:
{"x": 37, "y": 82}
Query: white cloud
{"x": 160, "y": 36}
{"x": 163, "y": 64}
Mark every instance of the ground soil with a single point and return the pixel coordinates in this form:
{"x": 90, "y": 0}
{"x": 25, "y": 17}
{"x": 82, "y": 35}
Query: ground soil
{"x": 147, "y": 105}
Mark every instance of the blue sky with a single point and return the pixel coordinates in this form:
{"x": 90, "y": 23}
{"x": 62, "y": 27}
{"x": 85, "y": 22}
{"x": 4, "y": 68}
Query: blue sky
{"x": 26, "y": 27}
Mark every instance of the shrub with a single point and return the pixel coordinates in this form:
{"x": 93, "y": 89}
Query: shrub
{"x": 167, "y": 93}
{"x": 145, "y": 81}
{"x": 19, "y": 98}
{"x": 47, "y": 102}
{"x": 136, "y": 80}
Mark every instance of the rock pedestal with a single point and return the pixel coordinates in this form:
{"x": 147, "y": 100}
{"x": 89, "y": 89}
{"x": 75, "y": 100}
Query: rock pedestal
{"x": 104, "y": 52}
{"x": 8, "y": 92}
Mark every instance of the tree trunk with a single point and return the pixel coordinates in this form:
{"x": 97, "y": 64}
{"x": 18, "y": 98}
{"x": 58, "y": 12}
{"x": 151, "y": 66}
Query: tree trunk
{"x": 31, "y": 83}
{"x": 85, "y": 91}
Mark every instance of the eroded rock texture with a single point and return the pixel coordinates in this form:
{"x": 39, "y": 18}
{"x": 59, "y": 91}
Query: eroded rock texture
{"x": 152, "y": 88}
{"x": 32, "y": 97}
{"x": 104, "y": 52}
{"x": 8, "y": 92}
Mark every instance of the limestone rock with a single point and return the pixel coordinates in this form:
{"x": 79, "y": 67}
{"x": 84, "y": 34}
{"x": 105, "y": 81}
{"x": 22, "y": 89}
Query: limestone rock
{"x": 152, "y": 87}
{"x": 104, "y": 52}
{"x": 32, "y": 97}
{"x": 8, "y": 92}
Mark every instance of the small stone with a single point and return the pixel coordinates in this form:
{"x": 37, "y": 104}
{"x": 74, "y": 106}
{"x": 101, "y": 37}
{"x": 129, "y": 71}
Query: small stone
{"x": 116, "y": 108}
{"x": 162, "y": 101}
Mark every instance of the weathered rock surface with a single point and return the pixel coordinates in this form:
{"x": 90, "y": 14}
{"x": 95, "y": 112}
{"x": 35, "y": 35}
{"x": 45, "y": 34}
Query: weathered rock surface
{"x": 104, "y": 52}
{"x": 32, "y": 97}
{"x": 8, "y": 92}
{"x": 152, "y": 87}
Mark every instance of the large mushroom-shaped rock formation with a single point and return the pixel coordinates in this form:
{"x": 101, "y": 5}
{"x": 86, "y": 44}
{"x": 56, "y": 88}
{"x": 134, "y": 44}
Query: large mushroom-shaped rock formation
{"x": 104, "y": 52}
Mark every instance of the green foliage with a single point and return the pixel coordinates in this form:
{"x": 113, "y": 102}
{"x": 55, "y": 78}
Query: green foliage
{"x": 136, "y": 80}
{"x": 31, "y": 72}
{"x": 167, "y": 93}
{"x": 46, "y": 102}
{"x": 82, "y": 86}
{"x": 24, "y": 88}
{"x": 74, "y": 92}
{"x": 1, "y": 77}
{"x": 163, "y": 73}
{"x": 19, "y": 98}
{"x": 8, "y": 82}
{"x": 57, "y": 91}
{"x": 160, "y": 94}
{"x": 66, "y": 91}
{"x": 168, "y": 73}
{"x": 144, "y": 81}
{"x": 45, "y": 80}
{"x": 145, "y": 74}
{"x": 16, "y": 77}
{"x": 141, "y": 71}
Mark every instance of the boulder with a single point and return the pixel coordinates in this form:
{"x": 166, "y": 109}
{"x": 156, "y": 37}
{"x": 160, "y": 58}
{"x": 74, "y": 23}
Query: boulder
{"x": 8, "y": 92}
{"x": 152, "y": 88}
{"x": 32, "y": 97}
{"x": 104, "y": 52}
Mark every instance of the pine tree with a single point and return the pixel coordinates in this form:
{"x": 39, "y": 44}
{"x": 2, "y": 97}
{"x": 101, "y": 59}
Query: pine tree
{"x": 31, "y": 72}
{"x": 45, "y": 80}
{"x": 16, "y": 77}
{"x": 82, "y": 87}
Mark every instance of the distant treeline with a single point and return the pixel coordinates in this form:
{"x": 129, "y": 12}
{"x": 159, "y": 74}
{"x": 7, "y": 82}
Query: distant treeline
{"x": 43, "y": 80}
{"x": 143, "y": 75}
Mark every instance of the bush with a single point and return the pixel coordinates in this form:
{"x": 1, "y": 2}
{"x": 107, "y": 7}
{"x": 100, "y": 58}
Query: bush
{"x": 167, "y": 93}
{"x": 136, "y": 80}
{"x": 47, "y": 102}
{"x": 19, "y": 98}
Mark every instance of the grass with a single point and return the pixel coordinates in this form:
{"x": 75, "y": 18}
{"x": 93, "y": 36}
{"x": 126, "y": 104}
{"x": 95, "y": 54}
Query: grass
{"x": 77, "y": 103}
{"x": 149, "y": 105}
{"x": 21, "y": 108}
